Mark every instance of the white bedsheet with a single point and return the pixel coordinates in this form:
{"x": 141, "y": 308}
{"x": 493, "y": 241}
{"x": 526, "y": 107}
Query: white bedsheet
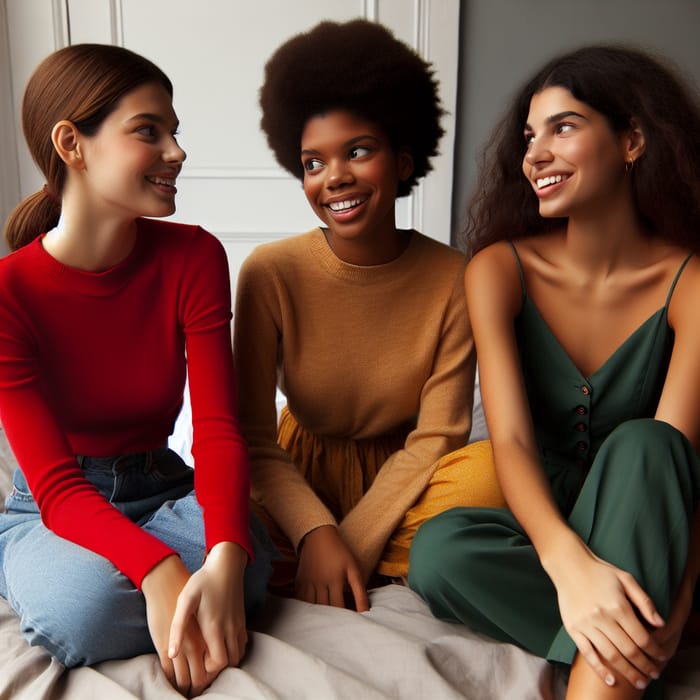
{"x": 396, "y": 650}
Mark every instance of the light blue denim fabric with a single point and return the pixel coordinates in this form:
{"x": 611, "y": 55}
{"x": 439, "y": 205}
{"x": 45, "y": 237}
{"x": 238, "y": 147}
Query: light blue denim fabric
{"x": 74, "y": 602}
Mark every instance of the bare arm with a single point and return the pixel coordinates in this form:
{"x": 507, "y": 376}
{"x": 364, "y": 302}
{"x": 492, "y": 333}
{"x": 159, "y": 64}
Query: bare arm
{"x": 494, "y": 298}
{"x": 678, "y": 407}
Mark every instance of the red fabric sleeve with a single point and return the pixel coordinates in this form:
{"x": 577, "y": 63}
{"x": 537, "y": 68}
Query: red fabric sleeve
{"x": 222, "y": 471}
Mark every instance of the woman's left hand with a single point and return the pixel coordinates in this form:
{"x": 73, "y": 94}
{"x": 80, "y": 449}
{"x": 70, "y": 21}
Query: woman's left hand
{"x": 214, "y": 597}
{"x": 601, "y": 606}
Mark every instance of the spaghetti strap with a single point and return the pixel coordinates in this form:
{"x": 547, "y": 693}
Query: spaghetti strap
{"x": 676, "y": 278}
{"x": 520, "y": 267}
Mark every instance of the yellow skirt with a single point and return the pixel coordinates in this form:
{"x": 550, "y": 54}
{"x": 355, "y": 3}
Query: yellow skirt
{"x": 341, "y": 470}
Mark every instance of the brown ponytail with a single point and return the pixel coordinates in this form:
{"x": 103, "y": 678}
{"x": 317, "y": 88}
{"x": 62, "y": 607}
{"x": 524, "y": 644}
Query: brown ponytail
{"x": 37, "y": 214}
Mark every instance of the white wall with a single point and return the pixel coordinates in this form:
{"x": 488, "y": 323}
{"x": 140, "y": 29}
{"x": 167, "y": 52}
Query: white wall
{"x": 214, "y": 52}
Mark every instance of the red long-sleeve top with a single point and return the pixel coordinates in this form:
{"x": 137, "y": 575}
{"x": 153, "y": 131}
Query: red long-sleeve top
{"x": 94, "y": 364}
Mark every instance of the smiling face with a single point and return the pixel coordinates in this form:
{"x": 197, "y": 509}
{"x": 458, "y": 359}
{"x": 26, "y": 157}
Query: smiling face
{"x": 574, "y": 161}
{"x": 130, "y": 165}
{"x": 351, "y": 177}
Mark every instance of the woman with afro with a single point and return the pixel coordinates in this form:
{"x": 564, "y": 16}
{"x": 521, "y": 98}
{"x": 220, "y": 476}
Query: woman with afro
{"x": 363, "y": 326}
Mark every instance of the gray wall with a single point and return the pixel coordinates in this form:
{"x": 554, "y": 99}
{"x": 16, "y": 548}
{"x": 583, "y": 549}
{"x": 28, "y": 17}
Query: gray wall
{"x": 503, "y": 41}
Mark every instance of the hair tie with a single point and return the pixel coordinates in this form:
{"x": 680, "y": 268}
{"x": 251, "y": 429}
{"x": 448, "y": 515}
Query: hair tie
{"x": 50, "y": 195}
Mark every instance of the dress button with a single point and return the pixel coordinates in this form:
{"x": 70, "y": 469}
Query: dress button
{"x": 585, "y": 390}
{"x": 581, "y": 410}
{"x": 581, "y": 427}
{"x": 581, "y": 446}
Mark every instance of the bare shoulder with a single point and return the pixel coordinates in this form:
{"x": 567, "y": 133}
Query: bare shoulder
{"x": 498, "y": 258}
{"x": 492, "y": 278}
{"x": 683, "y": 307}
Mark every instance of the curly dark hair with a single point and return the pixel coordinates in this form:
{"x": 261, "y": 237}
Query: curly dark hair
{"x": 358, "y": 66}
{"x": 622, "y": 83}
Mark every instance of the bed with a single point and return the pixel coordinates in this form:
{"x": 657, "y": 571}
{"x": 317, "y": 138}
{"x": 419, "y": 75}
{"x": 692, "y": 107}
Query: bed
{"x": 297, "y": 651}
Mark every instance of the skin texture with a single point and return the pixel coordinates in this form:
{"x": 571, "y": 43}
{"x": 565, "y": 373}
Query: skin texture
{"x": 349, "y": 164}
{"x": 126, "y": 170}
{"x": 615, "y": 275}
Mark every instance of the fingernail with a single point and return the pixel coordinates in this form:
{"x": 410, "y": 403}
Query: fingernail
{"x": 610, "y": 679}
{"x": 171, "y": 652}
{"x": 640, "y": 685}
{"x": 655, "y": 675}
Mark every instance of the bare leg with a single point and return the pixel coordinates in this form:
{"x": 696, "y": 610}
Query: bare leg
{"x": 586, "y": 684}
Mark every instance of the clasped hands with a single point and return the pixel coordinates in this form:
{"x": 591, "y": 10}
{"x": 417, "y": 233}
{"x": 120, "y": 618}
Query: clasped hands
{"x": 197, "y": 621}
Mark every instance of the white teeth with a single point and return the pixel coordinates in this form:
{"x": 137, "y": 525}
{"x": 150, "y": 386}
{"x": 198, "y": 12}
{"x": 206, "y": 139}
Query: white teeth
{"x": 161, "y": 181}
{"x": 551, "y": 180}
{"x": 342, "y": 206}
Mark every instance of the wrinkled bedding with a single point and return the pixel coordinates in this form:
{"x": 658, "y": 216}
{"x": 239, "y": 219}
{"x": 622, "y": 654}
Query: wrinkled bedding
{"x": 396, "y": 650}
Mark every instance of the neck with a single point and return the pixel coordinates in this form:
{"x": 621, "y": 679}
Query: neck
{"x": 90, "y": 243}
{"x": 603, "y": 241}
{"x": 377, "y": 247}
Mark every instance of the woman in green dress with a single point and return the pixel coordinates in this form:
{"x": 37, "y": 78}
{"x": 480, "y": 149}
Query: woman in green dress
{"x": 583, "y": 300}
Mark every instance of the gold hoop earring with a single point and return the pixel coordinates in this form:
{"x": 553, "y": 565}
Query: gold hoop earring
{"x": 629, "y": 165}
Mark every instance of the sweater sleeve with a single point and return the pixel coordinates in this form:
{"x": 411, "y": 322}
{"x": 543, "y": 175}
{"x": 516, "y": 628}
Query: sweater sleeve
{"x": 276, "y": 483}
{"x": 222, "y": 480}
{"x": 69, "y": 504}
{"x": 443, "y": 425}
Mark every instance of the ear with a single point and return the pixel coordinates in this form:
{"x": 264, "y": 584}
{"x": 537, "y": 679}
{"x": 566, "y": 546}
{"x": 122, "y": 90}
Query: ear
{"x": 66, "y": 140}
{"x": 633, "y": 142}
{"x": 405, "y": 163}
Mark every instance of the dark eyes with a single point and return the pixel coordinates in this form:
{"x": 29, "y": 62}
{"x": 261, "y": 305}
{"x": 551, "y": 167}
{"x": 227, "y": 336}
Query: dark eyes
{"x": 313, "y": 164}
{"x": 558, "y": 129}
{"x": 359, "y": 151}
{"x": 151, "y": 131}
{"x": 147, "y": 130}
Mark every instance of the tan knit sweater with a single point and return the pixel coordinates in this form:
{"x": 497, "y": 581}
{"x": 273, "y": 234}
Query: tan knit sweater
{"x": 357, "y": 351}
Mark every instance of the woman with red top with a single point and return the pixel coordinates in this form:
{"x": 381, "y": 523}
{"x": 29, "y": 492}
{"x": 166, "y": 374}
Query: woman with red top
{"x": 105, "y": 552}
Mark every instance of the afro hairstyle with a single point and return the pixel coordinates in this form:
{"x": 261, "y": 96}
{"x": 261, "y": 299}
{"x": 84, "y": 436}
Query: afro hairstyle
{"x": 357, "y": 66}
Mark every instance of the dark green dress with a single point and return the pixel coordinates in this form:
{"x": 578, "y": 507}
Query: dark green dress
{"x": 627, "y": 483}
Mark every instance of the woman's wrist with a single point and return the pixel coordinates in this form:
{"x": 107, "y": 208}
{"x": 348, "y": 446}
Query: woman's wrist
{"x": 228, "y": 554}
{"x": 560, "y": 552}
{"x": 166, "y": 570}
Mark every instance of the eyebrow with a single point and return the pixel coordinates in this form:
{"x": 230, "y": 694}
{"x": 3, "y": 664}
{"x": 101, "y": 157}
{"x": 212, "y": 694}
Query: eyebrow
{"x": 149, "y": 116}
{"x": 557, "y": 117}
{"x": 351, "y": 142}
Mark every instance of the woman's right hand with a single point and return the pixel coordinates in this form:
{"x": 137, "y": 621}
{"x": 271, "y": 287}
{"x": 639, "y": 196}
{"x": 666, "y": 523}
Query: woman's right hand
{"x": 601, "y": 606}
{"x": 327, "y": 568}
{"x": 161, "y": 588}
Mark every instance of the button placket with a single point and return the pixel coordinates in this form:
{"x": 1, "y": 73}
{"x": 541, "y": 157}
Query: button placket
{"x": 581, "y": 425}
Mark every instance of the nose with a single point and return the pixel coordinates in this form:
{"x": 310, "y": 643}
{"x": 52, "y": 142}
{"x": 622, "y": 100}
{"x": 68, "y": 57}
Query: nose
{"x": 537, "y": 152}
{"x": 174, "y": 152}
{"x": 338, "y": 173}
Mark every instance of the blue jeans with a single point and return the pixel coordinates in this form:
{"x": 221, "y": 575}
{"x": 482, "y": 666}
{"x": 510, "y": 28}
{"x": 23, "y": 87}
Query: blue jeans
{"x": 75, "y": 603}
